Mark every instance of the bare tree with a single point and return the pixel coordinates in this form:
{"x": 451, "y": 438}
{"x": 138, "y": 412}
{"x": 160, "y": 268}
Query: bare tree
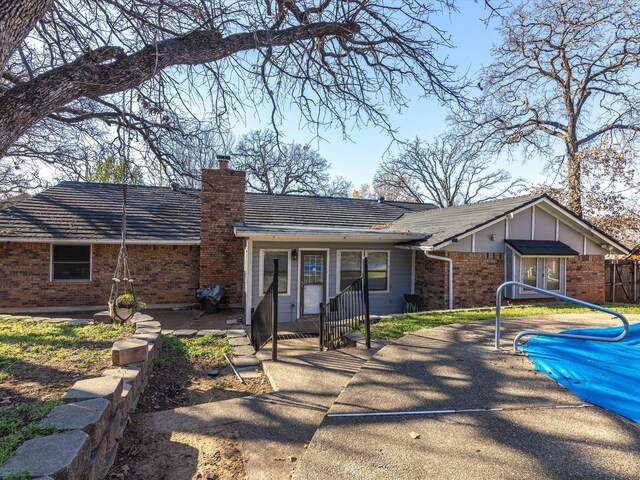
{"x": 338, "y": 186}
{"x": 280, "y": 168}
{"x": 610, "y": 191}
{"x": 565, "y": 75}
{"x": 447, "y": 172}
{"x": 64, "y": 62}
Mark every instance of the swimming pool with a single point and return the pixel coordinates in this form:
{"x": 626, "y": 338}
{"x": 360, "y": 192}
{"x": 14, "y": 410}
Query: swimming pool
{"x": 602, "y": 373}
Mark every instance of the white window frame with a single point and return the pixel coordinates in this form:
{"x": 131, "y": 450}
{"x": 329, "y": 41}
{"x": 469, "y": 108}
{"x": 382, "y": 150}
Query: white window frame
{"x": 363, "y": 253}
{"x": 261, "y": 270}
{"x": 62, "y": 280}
{"x": 541, "y": 272}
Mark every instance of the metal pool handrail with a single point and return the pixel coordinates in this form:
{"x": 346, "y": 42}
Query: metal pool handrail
{"x": 564, "y": 298}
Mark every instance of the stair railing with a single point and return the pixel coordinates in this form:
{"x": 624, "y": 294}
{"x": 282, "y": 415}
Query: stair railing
{"x": 347, "y": 312}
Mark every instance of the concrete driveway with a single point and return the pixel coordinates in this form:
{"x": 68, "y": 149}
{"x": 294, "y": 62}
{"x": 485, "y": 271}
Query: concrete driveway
{"x": 507, "y": 421}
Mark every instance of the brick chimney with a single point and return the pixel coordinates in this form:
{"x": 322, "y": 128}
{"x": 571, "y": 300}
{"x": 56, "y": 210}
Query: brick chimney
{"x": 221, "y": 207}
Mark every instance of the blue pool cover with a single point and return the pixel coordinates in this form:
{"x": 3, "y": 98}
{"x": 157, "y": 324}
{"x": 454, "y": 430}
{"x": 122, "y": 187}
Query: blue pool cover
{"x": 606, "y": 374}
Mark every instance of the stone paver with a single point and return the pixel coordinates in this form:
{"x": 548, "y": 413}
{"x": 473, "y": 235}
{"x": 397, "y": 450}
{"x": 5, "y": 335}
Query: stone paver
{"x": 214, "y": 332}
{"x": 102, "y": 317}
{"x": 238, "y": 341}
{"x": 90, "y": 416}
{"x": 129, "y": 374}
{"x": 147, "y": 324}
{"x": 236, "y": 333}
{"x": 246, "y": 361}
{"x": 130, "y": 350}
{"x": 148, "y": 337}
{"x": 108, "y": 388}
{"x": 243, "y": 350}
{"x": 185, "y": 332}
{"x": 61, "y": 455}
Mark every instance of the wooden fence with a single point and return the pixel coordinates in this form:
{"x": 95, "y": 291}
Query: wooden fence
{"x": 622, "y": 282}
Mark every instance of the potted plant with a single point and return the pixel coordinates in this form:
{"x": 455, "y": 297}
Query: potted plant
{"x": 126, "y": 305}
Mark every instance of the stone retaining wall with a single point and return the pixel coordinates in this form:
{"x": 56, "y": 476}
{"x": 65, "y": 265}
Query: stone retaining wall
{"x": 94, "y": 414}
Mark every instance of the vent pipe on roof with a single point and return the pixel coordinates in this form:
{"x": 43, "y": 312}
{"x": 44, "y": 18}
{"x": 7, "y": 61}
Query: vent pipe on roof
{"x": 175, "y": 186}
{"x": 381, "y": 199}
{"x": 223, "y": 161}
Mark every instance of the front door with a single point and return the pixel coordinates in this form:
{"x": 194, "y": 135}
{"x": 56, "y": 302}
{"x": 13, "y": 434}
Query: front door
{"x": 313, "y": 275}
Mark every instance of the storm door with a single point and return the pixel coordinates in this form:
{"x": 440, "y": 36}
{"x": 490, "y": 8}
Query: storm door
{"x": 313, "y": 275}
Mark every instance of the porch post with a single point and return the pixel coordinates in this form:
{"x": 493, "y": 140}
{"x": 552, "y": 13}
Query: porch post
{"x": 321, "y": 326}
{"x": 274, "y": 334}
{"x": 365, "y": 288}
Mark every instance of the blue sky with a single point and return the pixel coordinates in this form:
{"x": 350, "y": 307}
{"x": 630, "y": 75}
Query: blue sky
{"x": 358, "y": 157}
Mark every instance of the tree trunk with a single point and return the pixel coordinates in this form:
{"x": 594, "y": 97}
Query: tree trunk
{"x": 17, "y": 18}
{"x": 109, "y": 70}
{"x": 574, "y": 181}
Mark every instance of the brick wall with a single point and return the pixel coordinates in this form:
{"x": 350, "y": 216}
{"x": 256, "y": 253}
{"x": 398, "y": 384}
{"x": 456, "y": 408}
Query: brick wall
{"x": 585, "y": 278}
{"x": 476, "y": 276}
{"x": 221, "y": 252}
{"x": 432, "y": 282}
{"x": 163, "y": 274}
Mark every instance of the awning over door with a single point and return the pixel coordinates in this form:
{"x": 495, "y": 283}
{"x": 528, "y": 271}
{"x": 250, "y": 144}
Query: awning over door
{"x": 541, "y": 248}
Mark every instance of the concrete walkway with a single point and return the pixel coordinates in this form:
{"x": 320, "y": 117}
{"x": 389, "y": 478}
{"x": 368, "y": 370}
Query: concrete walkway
{"x": 454, "y": 368}
{"x": 275, "y": 426}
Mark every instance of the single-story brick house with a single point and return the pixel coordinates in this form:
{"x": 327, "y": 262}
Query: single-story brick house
{"x": 58, "y": 249}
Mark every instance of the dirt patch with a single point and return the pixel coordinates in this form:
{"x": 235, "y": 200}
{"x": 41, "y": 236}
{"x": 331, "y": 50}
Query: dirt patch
{"x": 179, "y": 380}
{"x": 213, "y": 453}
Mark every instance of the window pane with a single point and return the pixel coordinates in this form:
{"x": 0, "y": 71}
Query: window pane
{"x": 71, "y": 271}
{"x": 530, "y": 271}
{"x": 377, "y": 280}
{"x": 350, "y": 268}
{"x": 351, "y": 261}
{"x": 313, "y": 269}
{"x": 347, "y": 277}
{"x": 378, "y": 261}
{"x": 283, "y": 270}
{"x": 71, "y": 253}
{"x": 377, "y": 270}
{"x": 553, "y": 273}
{"x": 71, "y": 262}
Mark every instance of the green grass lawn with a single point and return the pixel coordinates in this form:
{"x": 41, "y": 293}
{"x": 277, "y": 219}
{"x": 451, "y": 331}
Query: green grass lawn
{"x": 207, "y": 349}
{"x": 396, "y": 327}
{"x": 39, "y": 361}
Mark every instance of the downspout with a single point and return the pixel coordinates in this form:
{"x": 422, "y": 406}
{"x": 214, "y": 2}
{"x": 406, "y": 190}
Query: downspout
{"x": 444, "y": 259}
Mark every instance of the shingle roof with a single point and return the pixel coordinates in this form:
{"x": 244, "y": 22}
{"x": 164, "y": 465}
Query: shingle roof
{"x": 79, "y": 210}
{"x": 446, "y": 223}
{"x": 302, "y": 210}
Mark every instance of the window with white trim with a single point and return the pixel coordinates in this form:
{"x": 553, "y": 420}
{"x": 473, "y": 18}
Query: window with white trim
{"x": 266, "y": 270}
{"x": 71, "y": 262}
{"x": 351, "y": 265}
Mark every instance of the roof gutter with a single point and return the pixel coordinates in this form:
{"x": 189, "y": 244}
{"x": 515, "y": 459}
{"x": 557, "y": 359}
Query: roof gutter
{"x": 450, "y": 262}
{"x": 96, "y": 241}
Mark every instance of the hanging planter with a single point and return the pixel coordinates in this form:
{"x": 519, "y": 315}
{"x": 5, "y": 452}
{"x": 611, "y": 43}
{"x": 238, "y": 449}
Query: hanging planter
{"x": 124, "y": 307}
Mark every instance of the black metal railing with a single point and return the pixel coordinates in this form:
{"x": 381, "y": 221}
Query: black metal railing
{"x": 264, "y": 319}
{"x": 346, "y": 312}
